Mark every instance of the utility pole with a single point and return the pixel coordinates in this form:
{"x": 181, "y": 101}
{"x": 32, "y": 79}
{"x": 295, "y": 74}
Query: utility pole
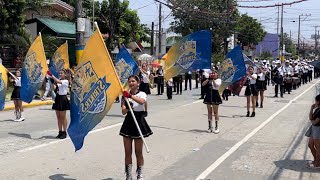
{"x": 282, "y": 42}
{"x": 160, "y": 31}
{"x": 80, "y": 29}
{"x": 299, "y": 34}
{"x": 299, "y": 29}
{"x": 152, "y": 36}
{"x": 227, "y": 28}
{"x": 278, "y": 20}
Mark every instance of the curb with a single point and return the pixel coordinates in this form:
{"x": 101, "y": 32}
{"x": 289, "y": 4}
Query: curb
{"x": 32, "y": 104}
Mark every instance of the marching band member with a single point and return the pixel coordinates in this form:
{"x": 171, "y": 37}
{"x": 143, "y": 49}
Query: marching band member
{"x": 261, "y": 85}
{"x": 278, "y": 73}
{"x": 15, "y": 96}
{"x": 160, "y": 80}
{"x": 305, "y": 69}
{"x": 310, "y": 70}
{"x": 129, "y": 130}
{"x": 169, "y": 88}
{"x": 212, "y": 100}
{"x": 288, "y": 78}
{"x": 144, "y": 74}
{"x": 251, "y": 91}
{"x": 61, "y": 102}
{"x": 295, "y": 68}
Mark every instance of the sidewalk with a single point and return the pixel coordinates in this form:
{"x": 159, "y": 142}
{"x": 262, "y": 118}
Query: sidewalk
{"x": 10, "y": 106}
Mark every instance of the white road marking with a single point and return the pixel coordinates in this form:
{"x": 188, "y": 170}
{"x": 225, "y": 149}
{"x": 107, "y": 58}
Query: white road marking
{"x": 222, "y": 158}
{"x": 195, "y": 102}
{"x": 91, "y": 132}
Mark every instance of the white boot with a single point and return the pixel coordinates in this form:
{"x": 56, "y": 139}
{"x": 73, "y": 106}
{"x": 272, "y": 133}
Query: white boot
{"x": 128, "y": 171}
{"x": 210, "y": 129}
{"x": 139, "y": 173}
{"x": 20, "y": 118}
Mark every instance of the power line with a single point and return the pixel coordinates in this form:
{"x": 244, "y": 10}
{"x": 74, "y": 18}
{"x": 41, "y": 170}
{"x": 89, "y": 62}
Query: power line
{"x": 276, "y": 5}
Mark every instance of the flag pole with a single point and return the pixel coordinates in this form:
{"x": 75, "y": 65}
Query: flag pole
{"x": 11, "y": 73}
{"x": 127, "y": 101}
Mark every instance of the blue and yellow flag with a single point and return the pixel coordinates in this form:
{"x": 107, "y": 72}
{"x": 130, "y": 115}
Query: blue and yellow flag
{"x": 59, "y": 60}
{"x": 33, "y": 71}
{"x": 232, "y": 68}
{"x": 3, "y": 86}
{"x": 94, "y": 89}
{"x": 192, "y": 52}
{"x": 125, "y": 66}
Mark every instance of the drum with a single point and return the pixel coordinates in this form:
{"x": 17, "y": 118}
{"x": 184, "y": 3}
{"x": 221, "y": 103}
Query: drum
{"x": 295, "y": 80}
{"x": 287, "y": 80}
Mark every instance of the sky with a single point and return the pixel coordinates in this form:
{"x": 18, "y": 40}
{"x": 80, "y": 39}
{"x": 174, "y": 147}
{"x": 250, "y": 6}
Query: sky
{"x": 148, "y": 11}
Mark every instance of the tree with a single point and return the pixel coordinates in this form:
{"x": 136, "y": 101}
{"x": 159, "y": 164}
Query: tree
{"x": 266, "y": 55}
{"x": 11, "y": 18}
{"x": 218, "y": 15}
{"x": 289, "y": 45}
{"x": 249, "y": 30}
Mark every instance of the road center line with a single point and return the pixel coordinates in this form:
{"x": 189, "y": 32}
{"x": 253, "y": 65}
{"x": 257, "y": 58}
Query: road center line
{"x": 222, "y": 158}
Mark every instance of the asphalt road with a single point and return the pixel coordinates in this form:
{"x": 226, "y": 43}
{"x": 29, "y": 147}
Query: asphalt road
{"x": 271, "y": 145}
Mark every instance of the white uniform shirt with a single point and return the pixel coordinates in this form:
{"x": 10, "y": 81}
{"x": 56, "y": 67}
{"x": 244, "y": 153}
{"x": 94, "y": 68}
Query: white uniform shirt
{"x": 281, "y": 70}
{"x": 288, "y": 69}
{"x": 170, "y": 82}
{"x": 218, "y": 83}
{"x": 305, "y": 69}
{"x": 310, "y": 68}
{"x": 262, "y": 76}
{"x": 136, "y": 106}
{"x": 296, "y": 69}
{"x": 63, "y": 87}
{"x": 17, "y": 82}
{"x": 145, "y": 77}
{"x": 253, "y": 81}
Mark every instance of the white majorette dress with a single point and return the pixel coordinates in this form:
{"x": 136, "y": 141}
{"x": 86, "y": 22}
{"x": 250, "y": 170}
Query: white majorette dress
{"x": 16, "y": 91}
{"x": 251, "y": 89}
{"x": 261, "y": 82}
{"x": 144, "y": 85}
{"x": 61, "y": 102}
{"x": 212, "y": 95}
{"x": 129, "y": 128}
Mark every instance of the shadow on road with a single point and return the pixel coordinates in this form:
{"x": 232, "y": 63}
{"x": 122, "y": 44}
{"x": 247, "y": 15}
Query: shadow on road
{"x": 60, "y": 177}
{"x": 189, "y": 131}
{"x": 107, "y": 179}
{"x": 295, "y": 165}
{"x": 6, "y": 120}
{"x": 198, "y": 131}
{"x": 28, "y": 136}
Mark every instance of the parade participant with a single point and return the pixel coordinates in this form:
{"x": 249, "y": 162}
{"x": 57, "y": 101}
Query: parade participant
{"x": 188, "y": 78}
{"x": 288, "y": 76}
{"x": 169, "y": 88}
{"x": 129, "y": 130}
{"x": 160, "y": 80}
{"x": 226, "y": 93}
{"x": 310, "y": 70}
{"x": 61, "y": 102}
{"x": 251, "y": 91}
{"x": 202, "y": 79}
{"x": 179, "y": 84}
{"x": 314, "y": 133}
{"x": 278, "y": 73}
{"x": 260, "y": 86}
{"x": 197, "y": 77}
{"x": 15, "y": 96}
{"x": 268, "y": 73}
{"x": 144, "y": 75}
{"x": 49, "y": 88}
{"x": 212, "y": 100}
{"x": 305, "y": 69}
{"x": 295, "y": 77}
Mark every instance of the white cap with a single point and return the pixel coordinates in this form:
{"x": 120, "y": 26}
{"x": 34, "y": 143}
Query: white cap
{"x": 287, "y": 61}
{"x": 278, "y": 62}
{"x": 264, "y": 61}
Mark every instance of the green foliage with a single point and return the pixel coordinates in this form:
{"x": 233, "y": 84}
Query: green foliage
{"x": 11, "y": 18}
{"x": 289, "y": 45}
{"x": 51, "y": 44}
{"x": 266, "y": 55}
{"x": 249, "y": 30}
